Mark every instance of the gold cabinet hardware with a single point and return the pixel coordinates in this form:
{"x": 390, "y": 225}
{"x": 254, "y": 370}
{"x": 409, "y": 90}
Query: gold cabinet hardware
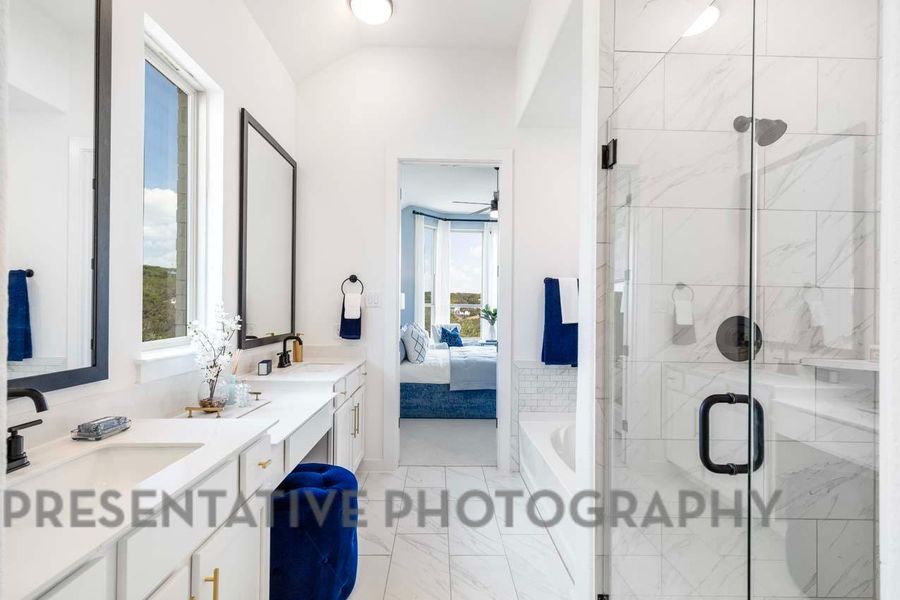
{"x": 215, "y": 581}
{"x": 353, "y": 427}
{"x": 265, "y": 463}
{"x": 356, "y": 421}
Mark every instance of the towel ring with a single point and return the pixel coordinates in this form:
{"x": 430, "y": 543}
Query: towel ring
{"x": 682, "y": 286}
{"x": 353, "y": 279}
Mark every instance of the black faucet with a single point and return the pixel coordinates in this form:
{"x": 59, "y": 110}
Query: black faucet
{"x": 15, "y": 443}
{"x": 284, "y": 358}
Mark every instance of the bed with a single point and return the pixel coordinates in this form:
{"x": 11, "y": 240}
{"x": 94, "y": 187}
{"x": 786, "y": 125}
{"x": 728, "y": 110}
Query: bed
{"x": 452, "y": 383}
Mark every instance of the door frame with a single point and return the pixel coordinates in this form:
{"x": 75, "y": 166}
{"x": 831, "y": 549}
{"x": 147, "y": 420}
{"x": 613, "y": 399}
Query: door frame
{"x": 394, "y": 159}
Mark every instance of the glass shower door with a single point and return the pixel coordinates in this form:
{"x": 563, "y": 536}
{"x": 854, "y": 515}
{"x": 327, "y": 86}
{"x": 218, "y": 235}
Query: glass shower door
{"x": 680, "y": 200}
{"x": 815, "y": 215}
{"x": 741, "y": 426}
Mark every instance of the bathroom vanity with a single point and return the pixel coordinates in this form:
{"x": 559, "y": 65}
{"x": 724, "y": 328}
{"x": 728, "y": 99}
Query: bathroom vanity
{"x": 227, "y": 465}
{"x": 343, "y": 381}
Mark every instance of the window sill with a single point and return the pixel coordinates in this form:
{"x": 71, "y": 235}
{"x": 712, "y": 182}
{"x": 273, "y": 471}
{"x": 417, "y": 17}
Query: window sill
{"x": 160, "y": 363}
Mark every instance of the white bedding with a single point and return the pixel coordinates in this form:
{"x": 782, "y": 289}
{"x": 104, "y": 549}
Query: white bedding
{"x": 435, "y": 369}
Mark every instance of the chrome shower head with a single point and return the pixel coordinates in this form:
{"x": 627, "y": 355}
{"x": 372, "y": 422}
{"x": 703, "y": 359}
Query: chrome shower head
{"x": 768, "y": 131}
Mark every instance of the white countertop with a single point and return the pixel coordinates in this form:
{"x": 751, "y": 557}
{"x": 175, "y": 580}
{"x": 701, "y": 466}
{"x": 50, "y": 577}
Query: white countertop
{"x": 290, "y": 411}
{"x": 40, "y": 556}
{"x": 320, "y": 370}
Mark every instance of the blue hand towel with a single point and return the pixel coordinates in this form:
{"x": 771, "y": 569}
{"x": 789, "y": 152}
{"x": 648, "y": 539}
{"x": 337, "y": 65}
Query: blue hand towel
{"x": 18, "y": 318}
{"x": 560, "y": 341}
{"x": 351, "y": 329}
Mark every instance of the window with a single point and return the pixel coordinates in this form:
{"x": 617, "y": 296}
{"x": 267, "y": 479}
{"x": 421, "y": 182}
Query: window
{"x": 170, "y": 215}
{"x": 428, "y": 275}
{"x": 466, "y": 281}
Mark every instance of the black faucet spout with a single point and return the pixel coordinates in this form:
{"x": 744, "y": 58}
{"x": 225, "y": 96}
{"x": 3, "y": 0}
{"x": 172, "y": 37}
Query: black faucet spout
{"x": 284, "y": 359}
{"x": 40, "y": 403}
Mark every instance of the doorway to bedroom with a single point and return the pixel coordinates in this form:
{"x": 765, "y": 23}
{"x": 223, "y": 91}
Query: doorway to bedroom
{"x": 449, "y": 297}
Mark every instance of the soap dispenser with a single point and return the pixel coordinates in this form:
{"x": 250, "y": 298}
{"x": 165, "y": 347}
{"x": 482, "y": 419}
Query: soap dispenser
{"x": 298, "y": 348}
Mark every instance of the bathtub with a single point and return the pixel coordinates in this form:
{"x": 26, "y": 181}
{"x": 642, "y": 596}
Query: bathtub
{"x": 547, "y": 462}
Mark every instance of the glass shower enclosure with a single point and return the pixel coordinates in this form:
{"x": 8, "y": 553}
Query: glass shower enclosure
{"x": 739, "y": 455}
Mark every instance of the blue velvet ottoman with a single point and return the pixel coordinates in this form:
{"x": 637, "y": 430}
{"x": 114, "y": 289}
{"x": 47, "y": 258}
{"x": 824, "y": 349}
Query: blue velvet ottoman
{"x": 310, "y": 561}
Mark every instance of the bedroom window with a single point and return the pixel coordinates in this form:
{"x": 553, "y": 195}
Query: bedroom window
{"x": 466, "y": 281}
{"x": 428, "y": 275}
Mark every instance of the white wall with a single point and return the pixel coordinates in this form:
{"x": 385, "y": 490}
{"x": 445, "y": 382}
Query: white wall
{"x": 539, "y": 34}
{"x": 376, "y": 99}
{"x": 224, "y": 39}
{"x": 545, "y": 227}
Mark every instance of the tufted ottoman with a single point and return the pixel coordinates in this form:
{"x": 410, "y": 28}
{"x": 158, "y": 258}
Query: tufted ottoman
{"x": 310, "y": 560}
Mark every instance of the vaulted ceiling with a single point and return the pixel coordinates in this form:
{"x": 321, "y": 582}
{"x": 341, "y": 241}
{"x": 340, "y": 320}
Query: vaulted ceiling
{"x": 310, "y": 34}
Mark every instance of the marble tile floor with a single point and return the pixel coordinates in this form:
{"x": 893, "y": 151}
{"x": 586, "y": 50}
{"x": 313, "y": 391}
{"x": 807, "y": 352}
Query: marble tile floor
{"x": 427, "y": 560}
{"x": 443, "y": 442}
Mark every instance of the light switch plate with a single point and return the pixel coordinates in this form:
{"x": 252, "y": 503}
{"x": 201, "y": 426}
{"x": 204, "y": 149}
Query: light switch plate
{"x": 373, "y": 299}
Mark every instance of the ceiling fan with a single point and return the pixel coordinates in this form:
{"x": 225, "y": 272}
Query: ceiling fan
{"x": 493, "y": 206}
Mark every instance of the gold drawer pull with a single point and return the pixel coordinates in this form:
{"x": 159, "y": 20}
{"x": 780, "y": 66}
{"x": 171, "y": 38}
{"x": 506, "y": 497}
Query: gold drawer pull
{"x": 215, "y": 581}
{"x": 265, "y": 463}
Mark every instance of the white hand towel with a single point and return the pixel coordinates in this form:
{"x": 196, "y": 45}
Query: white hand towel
{"x": 684, "y": 313}
{"x": 352, "y": 306}
{"x": 568, "y": 299}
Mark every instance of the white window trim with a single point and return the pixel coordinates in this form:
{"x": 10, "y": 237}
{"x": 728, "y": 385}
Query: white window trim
{"x": 197, "y": 142}
{"x": 430, "y": 305}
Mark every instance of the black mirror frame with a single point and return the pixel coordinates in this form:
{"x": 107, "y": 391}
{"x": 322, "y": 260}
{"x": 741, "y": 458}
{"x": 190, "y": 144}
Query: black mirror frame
{"x": 248, "y": 121}
{"x": 99, "y": 369}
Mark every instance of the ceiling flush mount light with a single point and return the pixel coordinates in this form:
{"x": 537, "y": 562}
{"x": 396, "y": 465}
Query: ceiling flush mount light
{"x": 706, "y": 20}
{"x": 372, "y": 12}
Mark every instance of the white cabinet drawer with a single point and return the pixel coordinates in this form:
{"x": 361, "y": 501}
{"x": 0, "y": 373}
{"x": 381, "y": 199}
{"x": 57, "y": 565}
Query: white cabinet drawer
{"x": 95, "y": 580}
{"x": 304, "y": 439}
{"x": 354, "y": 380}
{"x": 150, "y": 554}
{"x": 256, "y": 466}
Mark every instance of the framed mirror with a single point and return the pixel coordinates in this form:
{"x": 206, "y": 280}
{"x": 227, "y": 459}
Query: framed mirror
{"x": 58, "y": 209}
{"x": 268, "y": 237}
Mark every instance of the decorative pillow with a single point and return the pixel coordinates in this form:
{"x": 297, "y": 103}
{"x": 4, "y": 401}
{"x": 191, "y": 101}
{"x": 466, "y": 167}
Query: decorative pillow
{"x": 436, "y": 330}
{"x": 451, "y": 337}
{"x": 402, "y": 345}
{"x": 416, "y": 341}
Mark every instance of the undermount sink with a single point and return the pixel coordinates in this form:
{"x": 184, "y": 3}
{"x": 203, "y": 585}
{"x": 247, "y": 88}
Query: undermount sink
{"x": 110, "y": 467}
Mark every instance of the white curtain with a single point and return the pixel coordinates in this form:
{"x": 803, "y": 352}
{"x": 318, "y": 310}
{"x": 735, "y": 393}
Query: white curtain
{"x": 419, "y": 298}
{"x": 441, "y": 310}
{"x": 489, "y": 271}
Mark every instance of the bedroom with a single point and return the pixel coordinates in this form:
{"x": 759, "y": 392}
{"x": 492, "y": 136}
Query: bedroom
{"x": 448, "y": 313}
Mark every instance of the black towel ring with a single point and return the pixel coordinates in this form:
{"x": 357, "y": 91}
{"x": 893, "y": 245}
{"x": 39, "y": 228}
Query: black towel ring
{"x": 353, "y": 279}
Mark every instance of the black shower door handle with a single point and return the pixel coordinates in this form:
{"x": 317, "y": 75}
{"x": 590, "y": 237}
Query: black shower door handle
{"x": 759, "y": 433}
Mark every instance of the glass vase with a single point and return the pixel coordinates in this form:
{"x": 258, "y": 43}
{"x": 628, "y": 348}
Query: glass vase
{"x": 212, "y": 394}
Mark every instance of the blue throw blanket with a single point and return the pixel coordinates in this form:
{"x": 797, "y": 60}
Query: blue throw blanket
{"x": 560, "y": 341}
{"x": 473, "y": 368}
{"x": 18, "y": 318}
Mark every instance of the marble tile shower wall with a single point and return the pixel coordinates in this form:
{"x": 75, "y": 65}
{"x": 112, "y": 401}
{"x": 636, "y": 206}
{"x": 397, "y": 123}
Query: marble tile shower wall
{"x": 677, "y": 213}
